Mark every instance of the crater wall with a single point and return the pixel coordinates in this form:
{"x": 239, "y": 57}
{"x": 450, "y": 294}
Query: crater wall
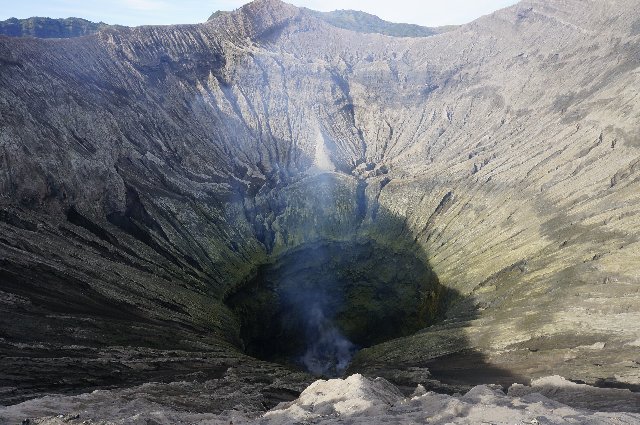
{"x": 147, "y": 173}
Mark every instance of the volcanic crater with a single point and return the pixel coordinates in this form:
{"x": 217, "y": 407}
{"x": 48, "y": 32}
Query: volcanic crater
{"x": 252, "y": 202}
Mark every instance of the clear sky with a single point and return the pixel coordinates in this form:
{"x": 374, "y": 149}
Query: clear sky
{"x": 144, "y": 12}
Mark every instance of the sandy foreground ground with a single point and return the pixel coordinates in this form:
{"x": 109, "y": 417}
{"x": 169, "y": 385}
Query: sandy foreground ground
{"x": 354, "y": 400}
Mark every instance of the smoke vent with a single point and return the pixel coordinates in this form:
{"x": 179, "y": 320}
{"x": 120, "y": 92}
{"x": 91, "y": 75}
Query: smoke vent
{"x": 314, "y": 307}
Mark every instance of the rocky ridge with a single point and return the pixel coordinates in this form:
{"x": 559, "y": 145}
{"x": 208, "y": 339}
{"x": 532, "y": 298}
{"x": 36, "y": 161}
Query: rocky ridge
{"x": 354, "y": 400}
{"x": 49, "y": 28}
{"x": 147, "y": 173}
{"x": 357, "y": 21}
{"x": 41, "y": 27}
{"x": 354, "y": 20}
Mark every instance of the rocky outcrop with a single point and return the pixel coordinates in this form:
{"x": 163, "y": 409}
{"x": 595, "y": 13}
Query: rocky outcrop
{"x": 354, "y": 400}
{"x": 148, "y": 174}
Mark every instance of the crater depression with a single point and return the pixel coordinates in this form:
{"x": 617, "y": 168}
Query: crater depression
{"x": 239, "y": 202}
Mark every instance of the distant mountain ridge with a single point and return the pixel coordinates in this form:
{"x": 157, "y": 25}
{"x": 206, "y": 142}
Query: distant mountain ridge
{"x": 41, "y": 27}
{"x": 363, "y": 22}
{"x": 367, "y": 23}
{"x": 353, "y": 20}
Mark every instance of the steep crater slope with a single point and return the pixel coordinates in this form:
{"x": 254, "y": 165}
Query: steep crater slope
{"x": 154, "y": 180}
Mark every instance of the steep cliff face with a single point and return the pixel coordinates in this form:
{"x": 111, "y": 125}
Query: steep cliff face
{"x": 149, "y": 174}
